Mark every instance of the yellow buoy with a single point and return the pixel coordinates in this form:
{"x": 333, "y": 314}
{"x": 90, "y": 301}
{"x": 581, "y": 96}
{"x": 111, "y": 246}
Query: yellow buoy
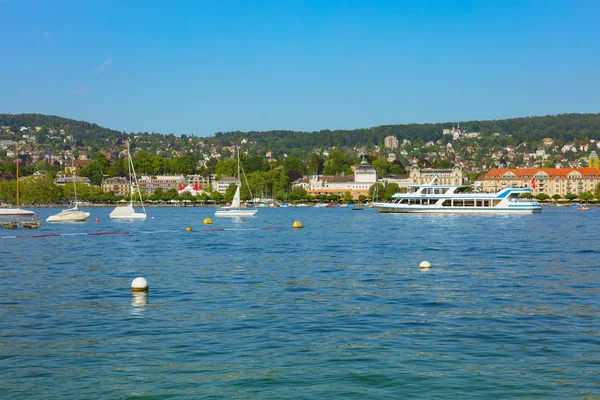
{"x": 207, "y": 221}
{"x": 189, "y": 228}
{"x": 297, "y": 225}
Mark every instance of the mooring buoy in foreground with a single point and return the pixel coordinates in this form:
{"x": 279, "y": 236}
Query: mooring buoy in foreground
{"x": 139, "y": 284}
{"x": 188, "y": 228}
{"x": 297, "y": 225}
{"x": 424, "y": 265}
{"x": 207, "y": 221}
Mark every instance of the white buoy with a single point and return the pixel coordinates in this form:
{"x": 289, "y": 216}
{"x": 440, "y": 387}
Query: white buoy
{"x": 139, "y": 284}
{"x": 424, "y": 265}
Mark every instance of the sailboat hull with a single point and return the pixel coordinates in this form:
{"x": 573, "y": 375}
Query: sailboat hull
{"x": 130, "y": 216}
{"x": 235, "y": 212}
{"x": 15, "y": 213}
{"x": 69, "y": 216}
{"x": 127, "y": 212}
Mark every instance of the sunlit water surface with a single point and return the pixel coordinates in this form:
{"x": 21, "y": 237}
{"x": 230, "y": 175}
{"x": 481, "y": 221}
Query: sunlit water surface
{"x": 338, "y": 309}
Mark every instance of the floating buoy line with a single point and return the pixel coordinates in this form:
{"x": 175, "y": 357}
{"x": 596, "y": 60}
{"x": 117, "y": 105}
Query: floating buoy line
{"x": 187, "y": 229}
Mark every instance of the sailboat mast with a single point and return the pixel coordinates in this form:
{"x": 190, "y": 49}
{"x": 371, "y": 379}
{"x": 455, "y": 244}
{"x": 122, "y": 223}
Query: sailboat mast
{"x": 74, "y": 182}
{"x": 17, "y": 174}
{"x": 137, "y": 185}
{"x": 238, "y": 156}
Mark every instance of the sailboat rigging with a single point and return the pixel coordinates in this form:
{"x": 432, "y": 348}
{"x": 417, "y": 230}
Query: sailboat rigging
{"x": 128, "y": 212}
{"x": 236, "y": 209}
{"x": 17, "y": 212}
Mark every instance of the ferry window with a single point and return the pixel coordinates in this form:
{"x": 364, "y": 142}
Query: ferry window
{"x": 458, "y": 203}
{"x": 469, "y": 203}
{"x": 496, "y": 202}
{"x": 447, "y": 203}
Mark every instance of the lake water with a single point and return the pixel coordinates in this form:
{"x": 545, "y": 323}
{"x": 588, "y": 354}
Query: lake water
{"x": 337, "y": 310}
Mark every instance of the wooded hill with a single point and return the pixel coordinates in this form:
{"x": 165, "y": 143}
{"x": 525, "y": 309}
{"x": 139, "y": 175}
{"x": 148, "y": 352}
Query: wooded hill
{"x": 562, "y": 128}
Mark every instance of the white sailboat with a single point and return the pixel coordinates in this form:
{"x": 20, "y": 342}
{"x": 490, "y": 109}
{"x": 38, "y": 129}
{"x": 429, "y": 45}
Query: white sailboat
{"x": 236, "y": 209}
{"x": 16, "y": 212}
{"x": 70, "y": 214}
{"x": 128, "y": 212}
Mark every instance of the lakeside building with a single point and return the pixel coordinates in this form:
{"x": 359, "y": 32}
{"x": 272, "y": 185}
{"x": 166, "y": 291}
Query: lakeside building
{"x": 550, "y": 181}
{"x": 148, "y": 184}
{"x": 222, "y": 184}
{"x": 197, "y": 181}
{"x": 118, "y": 185}
{"x": 450, "y": 177}
{"x": 402, "y": 181}
{"x": 364, "y": 177}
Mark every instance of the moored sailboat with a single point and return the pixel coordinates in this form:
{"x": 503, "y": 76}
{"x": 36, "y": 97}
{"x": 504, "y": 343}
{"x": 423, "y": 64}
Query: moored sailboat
{"x": 128, "y": 212}
{"x": 236, "y": 209}
{"x": 71, "y": 214}
{"x": 9, "y": 216}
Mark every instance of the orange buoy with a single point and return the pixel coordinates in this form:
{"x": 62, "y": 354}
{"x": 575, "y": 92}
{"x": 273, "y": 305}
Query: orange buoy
{"x": 97, "y": 219}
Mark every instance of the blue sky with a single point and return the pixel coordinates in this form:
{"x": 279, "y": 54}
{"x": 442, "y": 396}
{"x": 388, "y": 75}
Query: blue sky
{"x": 200, "y": 67}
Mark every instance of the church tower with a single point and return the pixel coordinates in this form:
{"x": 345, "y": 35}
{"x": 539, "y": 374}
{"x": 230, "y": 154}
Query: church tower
{"x": 593, "y": 160}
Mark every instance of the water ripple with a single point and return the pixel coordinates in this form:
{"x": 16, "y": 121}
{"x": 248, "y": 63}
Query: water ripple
{"x": 338, "y": 309}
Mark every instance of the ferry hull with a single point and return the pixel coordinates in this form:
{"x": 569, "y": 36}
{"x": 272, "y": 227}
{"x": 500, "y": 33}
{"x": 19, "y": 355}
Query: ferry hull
{"x": 387, "y": 209}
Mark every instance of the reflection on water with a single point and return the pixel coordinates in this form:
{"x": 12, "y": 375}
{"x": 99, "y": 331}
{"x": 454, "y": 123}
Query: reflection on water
{"x": 140, "y": 299}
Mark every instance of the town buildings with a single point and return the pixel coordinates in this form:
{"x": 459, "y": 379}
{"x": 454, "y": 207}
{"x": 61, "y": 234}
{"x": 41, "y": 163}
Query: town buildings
{"x": 550, "y": 181}
{"x": 118, "y": 185}
{"x": 222, "y": 184}
{"x": 359, "y": 184}
{"x": 450, "y": 177}
{"x": 148, "y": 184}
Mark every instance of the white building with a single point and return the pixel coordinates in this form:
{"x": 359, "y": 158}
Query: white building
{"x": 364, "y": 177}
{"x": 222, "y": 184}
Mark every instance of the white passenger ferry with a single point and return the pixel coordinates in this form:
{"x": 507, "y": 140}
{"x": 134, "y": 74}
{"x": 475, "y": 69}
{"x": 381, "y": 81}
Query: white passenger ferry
{"x": 458, "y": 199}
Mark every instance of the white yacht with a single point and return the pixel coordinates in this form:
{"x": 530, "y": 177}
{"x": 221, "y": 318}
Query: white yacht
{"x": 432, "y": 198}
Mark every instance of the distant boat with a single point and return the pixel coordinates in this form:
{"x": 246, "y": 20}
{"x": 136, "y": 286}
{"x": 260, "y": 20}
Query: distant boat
{"x": 128, "y": 212}
{"x": 357, "y": 207}
{"x": 31, "y": 224}
{"x": 70, "y": 214}
{"x": 236, "y": 209}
